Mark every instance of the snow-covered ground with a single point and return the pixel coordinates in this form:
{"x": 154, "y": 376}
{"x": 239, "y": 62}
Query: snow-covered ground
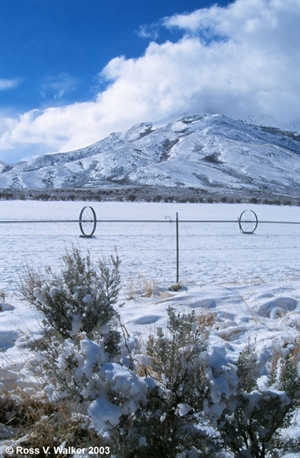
{"x": 251, "y": 282}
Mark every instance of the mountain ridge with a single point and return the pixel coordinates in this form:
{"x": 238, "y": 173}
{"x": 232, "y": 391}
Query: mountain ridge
{"x": 206, "y": 152}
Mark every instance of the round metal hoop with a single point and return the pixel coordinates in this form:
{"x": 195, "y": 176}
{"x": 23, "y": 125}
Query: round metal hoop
{"x": 248, "y": 221}
{"x": 87, "y": 221}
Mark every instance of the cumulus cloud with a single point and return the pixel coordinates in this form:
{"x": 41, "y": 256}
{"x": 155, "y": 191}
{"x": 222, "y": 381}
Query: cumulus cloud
{"x": 241, "y": 61}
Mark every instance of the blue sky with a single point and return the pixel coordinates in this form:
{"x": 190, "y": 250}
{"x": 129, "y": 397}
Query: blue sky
{"x": 73, "y": 71}
{"x": 53, "y": 50}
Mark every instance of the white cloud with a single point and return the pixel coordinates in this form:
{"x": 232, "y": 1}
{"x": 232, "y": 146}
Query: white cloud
{"x": 150, "y": 30}
{"x": 9, "y": 83}
{"x": 241, "y": 61}
{"x": 57, "y": 86}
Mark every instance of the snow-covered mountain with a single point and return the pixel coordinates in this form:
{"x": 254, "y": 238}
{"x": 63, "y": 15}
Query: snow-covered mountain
{"x": 209, "y": 152}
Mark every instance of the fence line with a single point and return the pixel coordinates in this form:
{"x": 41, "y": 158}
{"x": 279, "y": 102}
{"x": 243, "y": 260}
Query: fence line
{"x": 65, "y": 221}
{"x": 198, "y": 244}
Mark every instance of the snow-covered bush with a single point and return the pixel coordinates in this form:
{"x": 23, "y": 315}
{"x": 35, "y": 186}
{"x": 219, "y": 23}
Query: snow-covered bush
{"x": 256, "y": 413}
{"x": 80, "y": 297}
{"x": 82, "y": 359}
{"x": 170, "y": 423}
{"x": 80, "y": 322}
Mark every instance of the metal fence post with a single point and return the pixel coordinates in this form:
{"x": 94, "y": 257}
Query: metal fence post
{"x": 177, "y": 249}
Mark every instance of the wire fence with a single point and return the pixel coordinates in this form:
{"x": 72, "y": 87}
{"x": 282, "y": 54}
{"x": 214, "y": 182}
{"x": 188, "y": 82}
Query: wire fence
{"x": 166, "y": 250}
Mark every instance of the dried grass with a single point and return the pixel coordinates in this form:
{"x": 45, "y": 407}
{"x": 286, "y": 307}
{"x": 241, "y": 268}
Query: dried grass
{"x": 39, "y": 423}
{"x": 149, "y": 287}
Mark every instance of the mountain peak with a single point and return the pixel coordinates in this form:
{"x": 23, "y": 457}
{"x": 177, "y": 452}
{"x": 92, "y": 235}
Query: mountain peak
{"x": 208, "y": 152}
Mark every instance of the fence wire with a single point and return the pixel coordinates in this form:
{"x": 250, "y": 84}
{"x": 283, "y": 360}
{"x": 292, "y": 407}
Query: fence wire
{"x": 207, "y": 251}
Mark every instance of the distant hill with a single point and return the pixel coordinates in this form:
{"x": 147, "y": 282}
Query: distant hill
{"x": 212, "y": 154}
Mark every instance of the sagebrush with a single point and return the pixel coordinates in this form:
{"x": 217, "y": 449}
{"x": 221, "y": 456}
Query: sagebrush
{"x": 170, "y": 395}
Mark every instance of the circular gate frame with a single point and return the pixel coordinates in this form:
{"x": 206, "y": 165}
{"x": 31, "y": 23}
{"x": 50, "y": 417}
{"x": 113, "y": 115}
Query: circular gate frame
{"x": 248, "y": 222}
{"x": 87, "y": 222}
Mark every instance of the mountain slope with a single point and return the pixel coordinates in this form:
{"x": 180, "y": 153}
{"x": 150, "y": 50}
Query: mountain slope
{"x": 205, "y": 152}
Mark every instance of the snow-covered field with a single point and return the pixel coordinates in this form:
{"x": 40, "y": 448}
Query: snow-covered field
{"x": 251, "y": 282}
{"x": 240, "y": 276}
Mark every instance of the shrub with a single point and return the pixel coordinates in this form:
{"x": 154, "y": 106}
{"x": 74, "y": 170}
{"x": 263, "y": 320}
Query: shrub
{"x": 81, "y": 359}
{"x": 149, "y": 404}
{"x": 131, "y": 197}
{"x": 252, "y": 428}
{"x": 171, "y": 422}
{"x": 78, "y": 298}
